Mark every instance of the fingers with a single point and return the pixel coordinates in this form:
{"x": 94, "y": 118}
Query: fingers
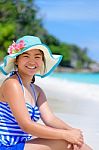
{"x": 69, "y": 146}
{"x": 80, "y": 141}
{"x": 75, "y": 136}
{"x": 75, "y": 147}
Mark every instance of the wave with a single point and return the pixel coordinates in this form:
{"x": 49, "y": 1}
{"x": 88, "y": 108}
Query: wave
{"x": 62, "y": 89}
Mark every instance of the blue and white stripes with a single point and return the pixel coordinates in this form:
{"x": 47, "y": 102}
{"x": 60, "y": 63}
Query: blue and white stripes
{"x": 12, "y": 140}
{"x": 34, "y": 112}
{"x": 10, "y": 131}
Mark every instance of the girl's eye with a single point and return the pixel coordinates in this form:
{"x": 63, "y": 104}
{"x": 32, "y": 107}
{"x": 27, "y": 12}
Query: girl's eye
{"x": 38, "y": 57}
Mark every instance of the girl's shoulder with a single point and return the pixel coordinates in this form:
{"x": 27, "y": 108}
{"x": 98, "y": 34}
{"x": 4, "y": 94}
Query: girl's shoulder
{"x": 10, "y": 81}
{"x": 9, "y": 84}
{"x": 38, "y": 88}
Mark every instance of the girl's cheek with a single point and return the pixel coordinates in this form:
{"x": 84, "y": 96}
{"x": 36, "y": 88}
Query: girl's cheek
{"x": 40, "y": 62}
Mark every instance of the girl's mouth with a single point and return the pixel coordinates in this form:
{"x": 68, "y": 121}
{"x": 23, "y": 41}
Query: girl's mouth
{"x": 31, "y": 67}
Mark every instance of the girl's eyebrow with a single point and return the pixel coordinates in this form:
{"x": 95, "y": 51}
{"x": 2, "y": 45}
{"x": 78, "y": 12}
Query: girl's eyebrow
{"x": 38, "y": 54}
{"x": 26, "y": 53}
{"x": 30, "y": 54}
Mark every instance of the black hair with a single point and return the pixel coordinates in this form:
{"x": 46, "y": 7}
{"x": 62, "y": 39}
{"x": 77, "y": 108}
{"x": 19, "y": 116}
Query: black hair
{"x": 33, "y": 79}
{"x": 44, "y": 61}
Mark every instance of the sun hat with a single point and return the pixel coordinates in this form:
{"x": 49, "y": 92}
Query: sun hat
{"x": 27, "y": 43}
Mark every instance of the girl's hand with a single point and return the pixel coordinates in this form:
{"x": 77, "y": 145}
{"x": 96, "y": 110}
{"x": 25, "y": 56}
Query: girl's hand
{"x": 75, "y": 147}
{"x": 74, "y": 136}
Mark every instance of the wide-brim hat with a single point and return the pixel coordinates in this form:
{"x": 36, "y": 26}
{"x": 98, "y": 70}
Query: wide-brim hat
{"x": 27, "y": 43}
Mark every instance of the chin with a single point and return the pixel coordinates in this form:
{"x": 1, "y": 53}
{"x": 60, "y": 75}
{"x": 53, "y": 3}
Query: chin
{"x": 31, "y": 73}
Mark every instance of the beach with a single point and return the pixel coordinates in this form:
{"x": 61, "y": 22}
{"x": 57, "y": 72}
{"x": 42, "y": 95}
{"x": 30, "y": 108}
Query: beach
{"x": 76, "y": 103}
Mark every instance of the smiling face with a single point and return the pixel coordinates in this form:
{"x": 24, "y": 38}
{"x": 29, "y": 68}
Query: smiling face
{"x": 30, "y": 62}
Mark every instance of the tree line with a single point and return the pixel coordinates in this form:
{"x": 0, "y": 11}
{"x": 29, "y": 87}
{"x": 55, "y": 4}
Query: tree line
{"x": 19, "y": 18}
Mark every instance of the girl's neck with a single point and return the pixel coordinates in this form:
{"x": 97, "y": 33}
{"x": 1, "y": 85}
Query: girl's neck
{"x": 26, "y": 80}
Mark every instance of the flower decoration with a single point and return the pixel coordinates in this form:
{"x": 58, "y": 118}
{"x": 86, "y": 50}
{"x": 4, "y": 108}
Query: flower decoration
{"x": 16, "y": 47}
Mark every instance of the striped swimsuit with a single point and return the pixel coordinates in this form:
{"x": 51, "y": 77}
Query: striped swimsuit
{"x": 10, "y": 132}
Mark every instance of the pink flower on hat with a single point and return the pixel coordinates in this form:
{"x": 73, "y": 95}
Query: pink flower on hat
{"x": 16, "y": 47}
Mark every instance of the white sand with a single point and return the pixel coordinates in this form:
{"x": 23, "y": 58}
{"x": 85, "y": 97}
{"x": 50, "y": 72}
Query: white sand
{"x": 75, "y": 103}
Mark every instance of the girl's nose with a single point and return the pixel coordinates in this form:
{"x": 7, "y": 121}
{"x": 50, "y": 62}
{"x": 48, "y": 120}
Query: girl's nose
{"x": 32, "y": 60}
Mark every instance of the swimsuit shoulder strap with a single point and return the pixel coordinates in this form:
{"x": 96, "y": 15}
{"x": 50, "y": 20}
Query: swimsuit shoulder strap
{"x": 20, "y": 81}
{"x": 19, "y": 78}
{"x": 34, "y": 92}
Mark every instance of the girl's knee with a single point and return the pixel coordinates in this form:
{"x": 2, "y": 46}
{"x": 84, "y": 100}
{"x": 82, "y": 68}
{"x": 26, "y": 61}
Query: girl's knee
{"x": 43, "y": 144}
{"x": 86, "y": 147}
{"x": 64, "y": 145}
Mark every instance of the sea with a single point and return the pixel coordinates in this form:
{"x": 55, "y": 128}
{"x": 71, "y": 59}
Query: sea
{"x": 89, "y": 78}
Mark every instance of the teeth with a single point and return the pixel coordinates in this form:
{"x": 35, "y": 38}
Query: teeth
{"x": 31, "y": 67}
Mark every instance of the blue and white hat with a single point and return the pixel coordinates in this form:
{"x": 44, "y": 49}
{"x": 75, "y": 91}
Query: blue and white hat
{"x": 27, "y": 43}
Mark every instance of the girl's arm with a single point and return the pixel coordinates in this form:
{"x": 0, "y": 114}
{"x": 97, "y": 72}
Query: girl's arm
{"x": 50, "y": 119}
{"x": 13, "y": 94}
{"x": 47, "y": 115}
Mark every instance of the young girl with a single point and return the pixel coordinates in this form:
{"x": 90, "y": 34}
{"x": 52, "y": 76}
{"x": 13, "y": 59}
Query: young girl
{"x": 22, "y": 103}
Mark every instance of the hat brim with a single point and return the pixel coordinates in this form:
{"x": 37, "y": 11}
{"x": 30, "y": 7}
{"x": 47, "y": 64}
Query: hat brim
{"x": 51, "y": 60}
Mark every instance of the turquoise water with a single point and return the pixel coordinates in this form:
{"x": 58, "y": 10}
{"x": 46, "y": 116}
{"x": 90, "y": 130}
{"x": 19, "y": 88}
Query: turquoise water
{"x": 90, "y": 78}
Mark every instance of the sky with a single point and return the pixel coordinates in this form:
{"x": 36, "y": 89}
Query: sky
{"x": 73, "y": 21}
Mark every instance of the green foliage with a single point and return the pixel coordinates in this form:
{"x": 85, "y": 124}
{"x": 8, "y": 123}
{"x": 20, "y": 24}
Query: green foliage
{"x": 6, "y": 36}
{"x": 64, "y": 50}
{"x": 50, "y": 40}
{"x": 19, "y": 18}
{"x": 2, "y": 54}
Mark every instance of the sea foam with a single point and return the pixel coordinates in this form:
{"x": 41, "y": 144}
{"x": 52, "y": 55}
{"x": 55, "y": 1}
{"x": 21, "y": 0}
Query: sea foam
{"x": 63, "y": 88}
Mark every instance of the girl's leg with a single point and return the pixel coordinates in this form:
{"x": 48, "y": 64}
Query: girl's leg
{"x": 44, "y": 144}
{"x": 86, "y": 147}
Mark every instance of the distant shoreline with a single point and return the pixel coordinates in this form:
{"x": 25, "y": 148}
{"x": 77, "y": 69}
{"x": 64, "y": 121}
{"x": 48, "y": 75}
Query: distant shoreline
{"x": 71, "y": 70}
